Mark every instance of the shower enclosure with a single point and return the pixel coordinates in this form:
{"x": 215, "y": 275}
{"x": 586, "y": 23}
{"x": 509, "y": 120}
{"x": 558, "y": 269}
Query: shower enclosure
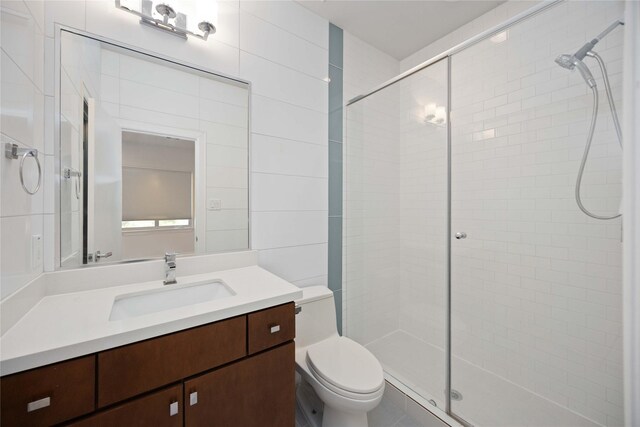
{"x": 469, "y": 270}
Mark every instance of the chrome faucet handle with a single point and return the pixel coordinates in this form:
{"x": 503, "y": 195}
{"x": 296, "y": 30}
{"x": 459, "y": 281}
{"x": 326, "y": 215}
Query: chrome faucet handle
{"x": 170, "y": 268}
{"x": 100, "y": 255}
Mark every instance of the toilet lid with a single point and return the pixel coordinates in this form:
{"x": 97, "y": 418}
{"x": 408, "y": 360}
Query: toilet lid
{"x": 346, "y": 364}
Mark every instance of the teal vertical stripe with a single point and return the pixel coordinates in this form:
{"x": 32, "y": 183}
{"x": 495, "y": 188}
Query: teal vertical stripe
{"x": 335, "y": 167}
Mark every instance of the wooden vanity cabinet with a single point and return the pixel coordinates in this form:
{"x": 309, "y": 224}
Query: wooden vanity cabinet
{"x": 237, "y": 372}
{"x": 127, "y": 371}
{"x": 257, "y": 391}
{"x": 270, "y": 327}
{"x": 48, "y": 395}
{"x": 163, "y": 408}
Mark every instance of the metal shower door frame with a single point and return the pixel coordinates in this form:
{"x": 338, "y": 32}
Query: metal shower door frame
{"x": 448, "y": 55}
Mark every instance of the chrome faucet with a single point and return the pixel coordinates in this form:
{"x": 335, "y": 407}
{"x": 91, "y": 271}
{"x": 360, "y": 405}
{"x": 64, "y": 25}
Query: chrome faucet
{"x": 170, "y": 268}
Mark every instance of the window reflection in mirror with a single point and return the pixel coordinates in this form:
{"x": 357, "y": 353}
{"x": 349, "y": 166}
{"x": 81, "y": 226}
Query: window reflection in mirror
{"x": 157, "y": 195}
{"x": 153, "y": 156}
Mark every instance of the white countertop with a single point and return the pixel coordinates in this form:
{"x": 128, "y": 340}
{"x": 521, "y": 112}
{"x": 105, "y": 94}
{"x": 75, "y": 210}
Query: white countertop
{"x": 64, "y": 326}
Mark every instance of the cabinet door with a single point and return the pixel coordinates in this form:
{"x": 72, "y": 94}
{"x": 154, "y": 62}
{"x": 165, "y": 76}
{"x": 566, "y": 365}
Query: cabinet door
{"x": 160, "y": 409}
{"x": 255, "y": 392}
{"x": 48, "y": 395}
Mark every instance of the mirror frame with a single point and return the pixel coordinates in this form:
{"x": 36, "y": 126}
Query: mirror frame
{"x": 52, "y": 231}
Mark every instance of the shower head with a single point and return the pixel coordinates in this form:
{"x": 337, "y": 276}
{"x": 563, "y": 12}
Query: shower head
{"x": 571, "y": 62}
{"x": 566, "y": 61}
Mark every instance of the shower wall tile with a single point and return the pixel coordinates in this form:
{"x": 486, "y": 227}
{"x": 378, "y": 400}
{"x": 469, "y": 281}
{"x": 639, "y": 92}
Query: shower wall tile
{"x": 522, "y": 279}
{"x": 370, "y": 202}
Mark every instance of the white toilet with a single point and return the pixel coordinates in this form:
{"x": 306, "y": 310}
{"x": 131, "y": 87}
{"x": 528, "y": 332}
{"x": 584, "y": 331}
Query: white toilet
{"x": 344, "y": 375}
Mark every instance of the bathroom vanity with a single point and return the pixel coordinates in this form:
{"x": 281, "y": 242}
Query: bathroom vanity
{"x": 224, "y": 362}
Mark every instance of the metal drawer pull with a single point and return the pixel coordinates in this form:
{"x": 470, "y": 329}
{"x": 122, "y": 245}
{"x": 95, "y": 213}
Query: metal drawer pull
{"x": 274, "y": 329}
{"x": 173, "y": 409}
{"x": 38, "y": 404}
{"x": 193, "y": 398}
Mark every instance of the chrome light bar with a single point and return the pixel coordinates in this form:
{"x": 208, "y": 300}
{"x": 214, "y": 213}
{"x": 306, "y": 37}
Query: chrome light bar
{"x": 177, "y": 28}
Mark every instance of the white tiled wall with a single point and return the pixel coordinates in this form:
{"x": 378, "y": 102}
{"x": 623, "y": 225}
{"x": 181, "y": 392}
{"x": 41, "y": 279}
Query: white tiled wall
{"x": 255, "y": 41}
{"x": 423, "y": 208}
{"x": 371, "y": 181}
{"x": 22, "y": 123}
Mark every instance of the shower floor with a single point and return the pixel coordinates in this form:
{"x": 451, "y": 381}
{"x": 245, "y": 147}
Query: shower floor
{"x": 488, "y": 400}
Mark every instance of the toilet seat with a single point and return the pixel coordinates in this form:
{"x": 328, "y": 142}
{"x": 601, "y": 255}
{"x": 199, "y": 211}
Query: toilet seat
{"x": 346, "y": 368}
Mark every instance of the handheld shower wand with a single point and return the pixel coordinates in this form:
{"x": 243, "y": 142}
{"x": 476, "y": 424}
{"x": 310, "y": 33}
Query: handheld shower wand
{"x": 572, "y": 62}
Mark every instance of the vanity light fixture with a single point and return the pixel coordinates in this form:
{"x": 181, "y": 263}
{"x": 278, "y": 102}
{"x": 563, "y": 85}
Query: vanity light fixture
{"x": 175, "y": 16}
{"x": 435, "y": 114}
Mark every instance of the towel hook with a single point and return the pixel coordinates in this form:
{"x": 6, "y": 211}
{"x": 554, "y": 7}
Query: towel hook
{"x": 12, "y": 151}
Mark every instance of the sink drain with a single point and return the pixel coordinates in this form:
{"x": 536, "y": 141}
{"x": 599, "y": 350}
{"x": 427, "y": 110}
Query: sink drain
{"x": 456, "y": 395}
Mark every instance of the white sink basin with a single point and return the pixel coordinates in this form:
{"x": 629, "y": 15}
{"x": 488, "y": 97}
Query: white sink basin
{"x": 171, "y": 296}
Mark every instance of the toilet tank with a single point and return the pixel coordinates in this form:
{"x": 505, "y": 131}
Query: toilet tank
{"x": 316, "y": 320}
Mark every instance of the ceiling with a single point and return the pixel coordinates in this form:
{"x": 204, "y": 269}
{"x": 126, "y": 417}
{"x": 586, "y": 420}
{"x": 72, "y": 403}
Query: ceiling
{"x": 399, "y": 28}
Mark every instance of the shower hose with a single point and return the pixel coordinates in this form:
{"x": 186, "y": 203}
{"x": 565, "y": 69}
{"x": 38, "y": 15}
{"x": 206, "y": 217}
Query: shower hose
{"x": 592, "y": 129}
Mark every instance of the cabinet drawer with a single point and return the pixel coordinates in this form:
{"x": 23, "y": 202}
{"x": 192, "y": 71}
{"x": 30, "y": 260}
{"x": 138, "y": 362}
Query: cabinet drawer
{"x": 49, "y": 395}
{"x": 137, "y": 368}
{"x": 270, "y": 327}
{"x": 160, "y": 409}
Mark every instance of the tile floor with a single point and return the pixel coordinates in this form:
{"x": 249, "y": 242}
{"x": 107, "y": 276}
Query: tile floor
{"x": 395, "y": 410}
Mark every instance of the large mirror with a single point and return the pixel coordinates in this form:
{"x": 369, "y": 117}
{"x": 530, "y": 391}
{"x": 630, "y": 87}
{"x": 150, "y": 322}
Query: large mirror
{"x": 153, "y": 156}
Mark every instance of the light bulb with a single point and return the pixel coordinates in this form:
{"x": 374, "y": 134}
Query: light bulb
{"x": 207, "y": 10}
{"x": 429, "y": 111}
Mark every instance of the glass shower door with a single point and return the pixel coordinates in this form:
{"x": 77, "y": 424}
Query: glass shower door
{"x": 536, "y": 284}
{"x": 395, "y": 212}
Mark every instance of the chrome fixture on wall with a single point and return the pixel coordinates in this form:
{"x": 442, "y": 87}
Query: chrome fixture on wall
{"x": 174, "y": 18}
{"x": 70, "y": 173}
{"x": 13, "y": 152}
{"x": 572, "y": 62}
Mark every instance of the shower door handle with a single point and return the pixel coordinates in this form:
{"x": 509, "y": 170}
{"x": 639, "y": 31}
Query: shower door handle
{"x": 461, "y": 235}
